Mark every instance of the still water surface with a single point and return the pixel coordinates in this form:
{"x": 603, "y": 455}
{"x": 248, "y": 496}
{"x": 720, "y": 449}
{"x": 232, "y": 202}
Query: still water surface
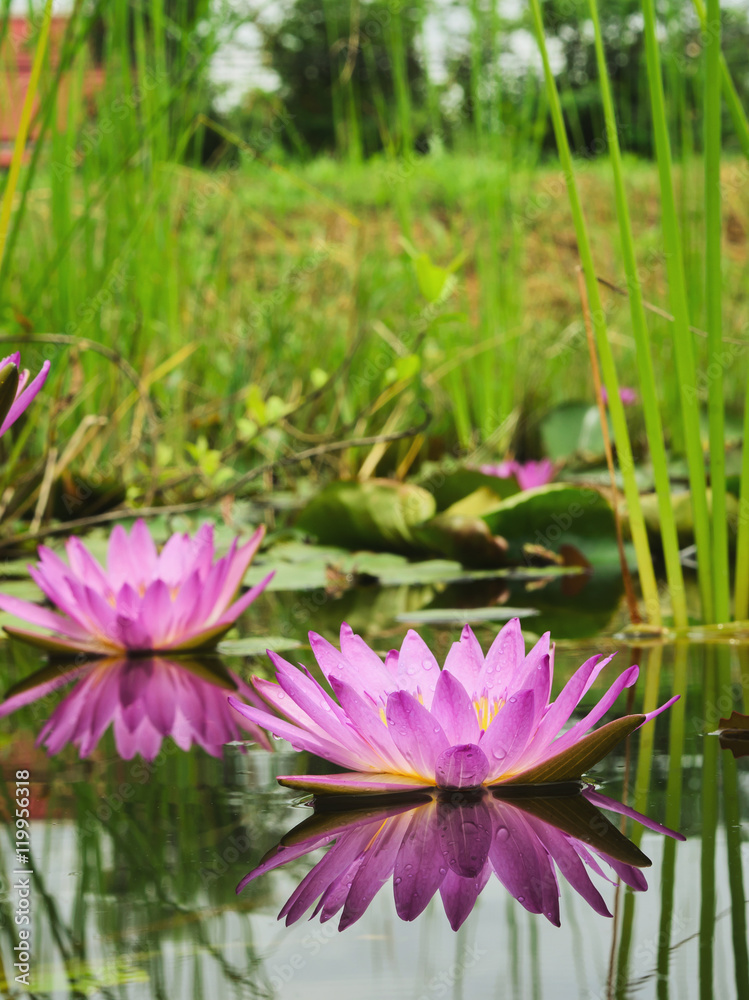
{"x": 135, "y": 865}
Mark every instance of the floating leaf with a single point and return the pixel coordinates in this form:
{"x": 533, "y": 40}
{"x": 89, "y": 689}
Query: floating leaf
{"x": 463, "y": 616}
{"x": 377, "y": 514}
{"x": 572, "y": 430}
{"x": 468, "y": 540}
{"x": 449, "y": 488}
{"x": 558, "y": 515}
{"x": 257, "y": 645}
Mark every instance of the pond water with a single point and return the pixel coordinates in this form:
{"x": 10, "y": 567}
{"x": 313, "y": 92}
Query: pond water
{"x": 133, "y": 866}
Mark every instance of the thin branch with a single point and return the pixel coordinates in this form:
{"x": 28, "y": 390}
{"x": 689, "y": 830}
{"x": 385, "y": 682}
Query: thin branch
{"x": 230, "y": 490}
{"x": 660, "y": 312}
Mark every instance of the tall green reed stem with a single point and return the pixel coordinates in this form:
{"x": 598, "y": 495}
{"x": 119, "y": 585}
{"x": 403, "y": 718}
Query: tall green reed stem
{"x": 713, "y": 297}
{"x": 608, "y": 367}
{"x": 684, "y": 352}
{"x": 730, "y": 94}
{"x": 646, "y": 373}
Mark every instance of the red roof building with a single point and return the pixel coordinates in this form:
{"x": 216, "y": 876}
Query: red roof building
{"x": 16, "y": 58}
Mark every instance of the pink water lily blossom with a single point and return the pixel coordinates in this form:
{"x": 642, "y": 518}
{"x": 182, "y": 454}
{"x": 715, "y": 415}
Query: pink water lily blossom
{"x": 452, "y": 845}
{"x": 26, "y": 392}
{"x": 529, "y": 475}
{"x": 144, "y": 600}
{"x": 407, "y": 724}
{"x": 144, "y": 700}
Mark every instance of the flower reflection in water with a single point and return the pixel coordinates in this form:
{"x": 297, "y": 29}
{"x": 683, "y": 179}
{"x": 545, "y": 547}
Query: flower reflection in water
{"x": 452, "y": 843}
{"x": 144, "y": 700}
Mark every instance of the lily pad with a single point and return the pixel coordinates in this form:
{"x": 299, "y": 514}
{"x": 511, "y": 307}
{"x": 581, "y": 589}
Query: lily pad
{"x": 572, "y": 430}
{"x": 558, "y": 515}
{"x": 463, "y": 538}
{"x": 378, "y": 514}
{"x": 463, "y": 616}
{"x": 257, "y": 645}
{"x": 449, "y": 488}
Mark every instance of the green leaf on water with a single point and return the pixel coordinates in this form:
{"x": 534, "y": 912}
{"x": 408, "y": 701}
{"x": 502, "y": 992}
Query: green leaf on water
{"x": 378, "y": 514}
{"x": 463, "y": 616}
{"x": 257, "y": 645}
{"x": 448, "y": 488}
{"x": 556, "y": 515}
{"x": 572, "y": 430}
{"x": 466, "y": 539}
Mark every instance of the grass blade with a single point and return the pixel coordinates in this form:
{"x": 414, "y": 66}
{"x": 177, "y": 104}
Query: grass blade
{"x": 616, "y": 408}
{"x": 645, "y": 370}
{"x": 713, "y": 295}
{"x": 684, "y": 352}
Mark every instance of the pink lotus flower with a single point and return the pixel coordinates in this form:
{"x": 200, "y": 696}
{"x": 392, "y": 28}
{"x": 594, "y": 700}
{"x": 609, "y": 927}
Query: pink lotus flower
{"x": 454, "y": 847}
{"x": 144, "y": 601}
{"x": 406, "y": 724}
{"x": 144, "y": 700}
{"x": 25, "y": 393}
{"x": 528, "y": 474}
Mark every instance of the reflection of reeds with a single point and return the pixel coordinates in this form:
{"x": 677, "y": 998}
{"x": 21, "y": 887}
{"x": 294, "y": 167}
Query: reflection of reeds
{"x": 149, "y": 882}
{"x": 674, "y": 787}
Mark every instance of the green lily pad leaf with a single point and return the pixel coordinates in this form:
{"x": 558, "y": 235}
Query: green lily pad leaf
{"x": 572, "y": 430}
{"x": 464, "y": 616}
{"x": 557, "y": 515}
{"x": 573, "y": 763}
{"x": 468, "y": 540}
{"x": 449, "y": 488}
{"x": 481, "y": 501}
{"x": 378, "y": 514}
{"x": 257, "y": 645}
